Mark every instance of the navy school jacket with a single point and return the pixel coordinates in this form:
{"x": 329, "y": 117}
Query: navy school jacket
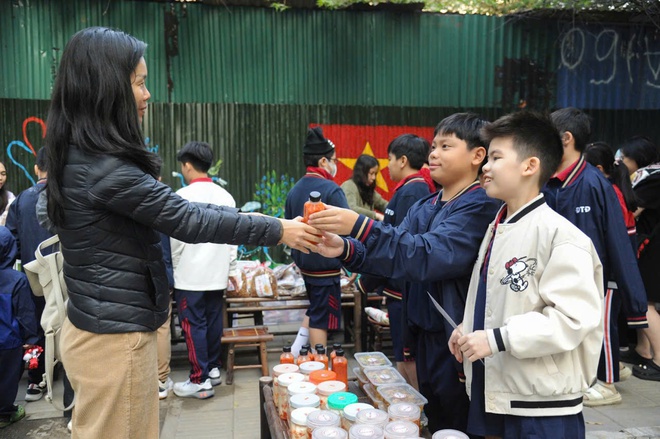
{"x": 315, "y": 268}
{"x": 410, "y": 192}
{"x": 432, "y": 250}
{"x": 18, "y": 324}
{"x": 588, "y": 200}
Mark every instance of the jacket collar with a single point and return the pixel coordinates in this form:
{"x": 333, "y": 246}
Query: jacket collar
{"x": 424, "y": 175}
{"x": 538, "y": 201}
{"x": 318, "y": 173}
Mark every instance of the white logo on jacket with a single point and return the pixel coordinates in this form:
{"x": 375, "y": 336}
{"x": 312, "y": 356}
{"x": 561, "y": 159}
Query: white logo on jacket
{"x": 517, "y": 270}
{"x": 583, "y": 209}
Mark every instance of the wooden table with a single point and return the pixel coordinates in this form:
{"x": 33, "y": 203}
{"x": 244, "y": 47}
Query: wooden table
{"x": 349, "y": 299}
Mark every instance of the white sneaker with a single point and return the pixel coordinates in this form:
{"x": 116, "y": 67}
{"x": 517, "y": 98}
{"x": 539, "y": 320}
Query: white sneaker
{"x": 187, "y": 389}
{"x": 164, "y": 388}
{"x": 69, "y": 426}
{"x": 215, "y": 376}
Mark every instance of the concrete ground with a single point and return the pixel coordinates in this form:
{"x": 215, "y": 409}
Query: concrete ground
{"x": 234, "y": 411}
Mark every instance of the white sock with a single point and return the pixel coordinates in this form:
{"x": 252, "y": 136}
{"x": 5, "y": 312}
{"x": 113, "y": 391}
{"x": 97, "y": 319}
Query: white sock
{"x": 301, "y": 339}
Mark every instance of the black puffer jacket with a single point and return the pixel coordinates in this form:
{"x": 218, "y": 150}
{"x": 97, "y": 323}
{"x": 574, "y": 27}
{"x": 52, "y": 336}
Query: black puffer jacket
{"x": 114, "y": 267}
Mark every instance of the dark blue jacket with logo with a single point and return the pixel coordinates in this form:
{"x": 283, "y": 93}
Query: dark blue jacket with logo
{"x": 316, "y": 269}
{"x": 586, "y": 198}
{"x": 18, "y": 325}
{"x": 433, "y": 249}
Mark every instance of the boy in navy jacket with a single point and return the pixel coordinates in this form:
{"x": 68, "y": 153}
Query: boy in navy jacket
{"x": 580, "y": 193}
{"x": 321, "y": 275}
{"x": 18, "y": 327}
{"x": 433, "y": 250}
{"x": 408, "y": 154}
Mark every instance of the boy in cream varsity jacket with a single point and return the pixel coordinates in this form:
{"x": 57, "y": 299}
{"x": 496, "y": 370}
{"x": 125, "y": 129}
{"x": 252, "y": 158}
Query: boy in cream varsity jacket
{"x": 531, "y": 335}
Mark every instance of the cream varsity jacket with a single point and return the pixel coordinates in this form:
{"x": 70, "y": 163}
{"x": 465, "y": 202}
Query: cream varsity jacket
{"x": 543, "y": 313}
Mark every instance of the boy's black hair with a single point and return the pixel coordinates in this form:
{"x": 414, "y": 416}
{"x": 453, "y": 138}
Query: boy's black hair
{"x": 198, "y": 154}
{"x": 642, "y": 150}
{"x": 313, "y": 159}
{"x": 533, "y": 135}
{"x": 465, "y": 126}
{"x": 575, "y": 121}
{"x": 42, "y": 162}
{"x": 600, "y": 154}
{"x": 415, "y": 148}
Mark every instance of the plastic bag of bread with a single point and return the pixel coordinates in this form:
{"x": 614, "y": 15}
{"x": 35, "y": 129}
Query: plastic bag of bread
{"x": 262, "y": 282}
{"x": 242, "y": 291}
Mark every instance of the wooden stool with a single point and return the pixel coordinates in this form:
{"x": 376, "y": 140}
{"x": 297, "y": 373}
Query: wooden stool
{"x": 244, "y": 337}
{"x": 377, "y": 332}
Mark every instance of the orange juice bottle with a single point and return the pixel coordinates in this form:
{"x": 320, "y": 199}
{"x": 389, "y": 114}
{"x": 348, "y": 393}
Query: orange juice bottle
{"x": 303, "y": 357}
{"x": 313, "y": 205}
{"x": 333, "y": 354}
{"x": 310, "y": 354}
{"x": 286, "y": 357}
{"x": 340, "y": 366}
{"x": 320, "y": 356}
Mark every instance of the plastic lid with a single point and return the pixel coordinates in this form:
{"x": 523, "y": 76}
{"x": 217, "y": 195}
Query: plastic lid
{"x": 363, "y": 431}
{"x": 286, "y": 349}
{"x": 338, "y": 401}
{"x": 366, "y": 359}
{"x": 404, "y": 410}
{"x": 303, "y": 351}
{"x": 321, "y": 376}
{"x": 329, "y": 387}
{"x": 351, "y": 410}
{"x": 323, "y": 418}
{"x": 299, "y": 416}
{"x": 315, "y": 196}
{"x": 371, "y": 393}
{"x": 291, "y": 377}
{"x": 301, "y": 387}
{"x": 329, "y": 433}
{"x": 379, "y": 375}
{"x": 401, "y": 429}
{"x": 320, "y": 349}
{"x": 449, "y": 434}
{"x": 310, "y": 366}
{"x": 372, "y": 417}
{"x": 360, "y": 375}
{"x": 340, "y": 352}
{"x": 393, "y": 393}
{"x": 304, "y": 400}
{"x": 281, "y": 369}
{"x": 336, "y": 346}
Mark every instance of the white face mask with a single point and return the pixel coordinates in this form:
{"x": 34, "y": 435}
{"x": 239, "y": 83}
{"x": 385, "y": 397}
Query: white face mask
{"x": 333, "y": 168}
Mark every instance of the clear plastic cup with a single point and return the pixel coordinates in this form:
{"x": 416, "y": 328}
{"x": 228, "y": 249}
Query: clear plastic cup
{"x": 298, "y": 422}
{"x": 361, "y": 431}
{"x": 400, "y": 430}
{"x": 405, "y": 411}
{"x": 322, "y": 418}
{"x": 376, "y": 417}
{"x": 350, "y": 412}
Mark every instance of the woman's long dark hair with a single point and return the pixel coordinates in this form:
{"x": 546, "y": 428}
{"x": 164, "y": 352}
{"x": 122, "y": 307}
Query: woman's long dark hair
{"x": 360, "y": 172}
{"x": 93, "y": 107}
{"x": 600, "y": 153}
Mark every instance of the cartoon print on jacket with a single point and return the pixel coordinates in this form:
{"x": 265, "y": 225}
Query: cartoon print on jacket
{"x": 517, "y": 270}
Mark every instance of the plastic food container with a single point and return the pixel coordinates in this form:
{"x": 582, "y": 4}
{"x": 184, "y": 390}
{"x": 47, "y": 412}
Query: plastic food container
{"x": 350, "y": 412}
{"x": 278, "y": 370}
{"x": 401, "y": 430}
{"x": 404, "y": 411}
{"x": 320, "y": 376}
{"x": 361, "y": 431}
{"x": 302, "y": 400}
{"x": 285, "y": 380}
{"x": 372, "y": 417}
{"x": 309, "y": 367}
{"x": 373, "y": 395}
{"x": 449, "y": 434}
{"x": 337, "y": 401}
{"x": 298, "y": 424}
{"x": 394, "y": 393}
{"x": 322, "y": 418}
{"x": 368, "y": 359}
{"x": 327, "y": 388}
{"x": 329, "y": 433}
{"x": 380, "y": 375}
{"x": 362, "y": 379}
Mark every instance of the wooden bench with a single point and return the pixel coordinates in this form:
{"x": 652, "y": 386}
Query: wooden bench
{"x": 245, "y": 337}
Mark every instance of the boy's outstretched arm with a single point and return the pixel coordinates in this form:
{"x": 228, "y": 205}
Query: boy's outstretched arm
{"x": 334, "y": 220}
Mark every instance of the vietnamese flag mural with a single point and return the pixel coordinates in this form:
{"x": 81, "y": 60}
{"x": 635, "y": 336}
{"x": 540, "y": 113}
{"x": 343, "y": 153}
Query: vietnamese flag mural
{"x": 353, "y": 140}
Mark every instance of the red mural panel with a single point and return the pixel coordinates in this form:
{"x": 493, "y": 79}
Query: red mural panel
{"x": 353, "y": 140}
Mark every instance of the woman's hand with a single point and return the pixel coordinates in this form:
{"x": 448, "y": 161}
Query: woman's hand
{"x": 334, "y": 220}
{"x": 299, "y": 235}
{"x": 331, "y": 245}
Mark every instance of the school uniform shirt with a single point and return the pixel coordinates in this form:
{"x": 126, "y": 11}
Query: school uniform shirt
{"x": 355, "y": 201}
{"x": 433, "y": 251}
{"x": 543, "y": 313}
{"x": 408, "y": 192}
{"x": 18, "y": 324}
{"x": 207, "y": 266}
{"x": 316, "y": 269}
{"x": 22, "y": 223}
{"x": 582, "y": 195}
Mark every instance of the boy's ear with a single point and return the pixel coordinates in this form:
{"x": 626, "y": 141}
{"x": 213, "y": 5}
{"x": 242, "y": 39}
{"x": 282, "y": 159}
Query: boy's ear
{"x": 531, "y": 166}
{"x": 404, "y": 161}
{"x": 567, "y": 138}
{"x": 478, "y": 155}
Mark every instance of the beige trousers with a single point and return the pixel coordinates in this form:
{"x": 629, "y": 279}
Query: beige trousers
{"x": 164, "y": 348}
{"x": 114, "y": 380}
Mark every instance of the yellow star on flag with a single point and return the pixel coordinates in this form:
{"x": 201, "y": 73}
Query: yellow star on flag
{"x": 380, "y": 180}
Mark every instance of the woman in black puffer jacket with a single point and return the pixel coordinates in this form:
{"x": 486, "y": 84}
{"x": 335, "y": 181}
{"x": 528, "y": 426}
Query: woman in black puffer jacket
{"x": 108, "y": 208}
